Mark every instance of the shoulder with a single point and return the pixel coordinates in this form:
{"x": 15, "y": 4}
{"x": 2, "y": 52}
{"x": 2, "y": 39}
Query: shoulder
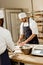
{"x": 32, "y": 22}
{"x": 33, "y": 26}
{"x": 5, "y": 31}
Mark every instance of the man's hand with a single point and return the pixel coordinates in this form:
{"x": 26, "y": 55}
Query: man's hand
{"x": 22, "y": 43}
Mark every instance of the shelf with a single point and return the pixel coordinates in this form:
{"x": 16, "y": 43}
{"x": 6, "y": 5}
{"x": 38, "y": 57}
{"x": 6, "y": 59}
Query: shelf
{"x": 38, "y": 20}
{"x": 40, "y": 37}
{"x": 40, "y": 31}
{"x": 39, "y": 25}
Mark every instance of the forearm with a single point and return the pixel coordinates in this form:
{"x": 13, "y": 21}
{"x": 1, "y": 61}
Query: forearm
{"x": 30, "y": 38}
{"x": 10, "y": 42}
{"x": 20, "y": 38}
{"x": 11, "y": 45}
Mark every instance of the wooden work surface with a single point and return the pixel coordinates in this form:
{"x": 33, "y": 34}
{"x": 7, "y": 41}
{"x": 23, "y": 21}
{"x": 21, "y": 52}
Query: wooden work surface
{"x": 27, "y": 59}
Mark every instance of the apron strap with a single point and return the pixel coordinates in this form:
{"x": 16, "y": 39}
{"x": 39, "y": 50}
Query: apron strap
{"x": 28, "y": 22}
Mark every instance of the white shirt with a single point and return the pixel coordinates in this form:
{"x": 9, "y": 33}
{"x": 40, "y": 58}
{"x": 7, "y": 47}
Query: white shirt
{"x": 5, "y": 40}
{"x": 32, "y": 24}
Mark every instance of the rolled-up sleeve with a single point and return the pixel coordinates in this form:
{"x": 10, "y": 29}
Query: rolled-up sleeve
{"x": 33, "y": 26}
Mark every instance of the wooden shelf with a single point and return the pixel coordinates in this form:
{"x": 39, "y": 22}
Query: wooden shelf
{"x": 39, "y": 21}
{"x": 40, "y": 31}
{"x": 39, "y": 25}
{"x": 40, "y": 37}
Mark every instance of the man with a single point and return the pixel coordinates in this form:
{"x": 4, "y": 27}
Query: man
{"x": 5, "y": 41}
{"x": 29, "y": 29}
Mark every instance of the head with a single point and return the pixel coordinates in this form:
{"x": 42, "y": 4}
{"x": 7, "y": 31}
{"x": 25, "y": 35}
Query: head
{"x": 1, "y": 18}
{"x": 23, "y": 17}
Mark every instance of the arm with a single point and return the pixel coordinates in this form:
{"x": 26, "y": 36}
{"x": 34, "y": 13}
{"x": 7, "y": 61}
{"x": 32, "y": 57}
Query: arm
{"x": 20, "y": 38}
{"x": 27, "y": 40}
{"x": 30, "y": 38}
{"x": 21, "y": 33}
{"x": 34, "y": 28}
{"x": 9, "y": 41}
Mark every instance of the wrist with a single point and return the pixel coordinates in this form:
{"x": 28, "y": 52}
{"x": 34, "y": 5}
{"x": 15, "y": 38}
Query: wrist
{"x": 26, "y": 41}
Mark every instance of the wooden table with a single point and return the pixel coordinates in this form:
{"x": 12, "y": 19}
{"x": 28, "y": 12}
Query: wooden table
{"x": 27, "y": 59}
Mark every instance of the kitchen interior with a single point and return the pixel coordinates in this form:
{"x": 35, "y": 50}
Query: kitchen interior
{"x": 34, "y": 9}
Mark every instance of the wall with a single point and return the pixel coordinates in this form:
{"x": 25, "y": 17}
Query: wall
{"x": 16, "y": 4}
{"x": 38, "y": 5}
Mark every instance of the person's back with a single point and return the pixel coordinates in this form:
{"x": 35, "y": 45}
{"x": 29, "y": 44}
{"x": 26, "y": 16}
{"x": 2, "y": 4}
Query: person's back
{"x": 3, "y": 33}
{"x": 5, "y": 41}
{"x": 2, "y": 40}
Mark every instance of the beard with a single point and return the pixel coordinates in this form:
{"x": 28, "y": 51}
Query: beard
{"x": 24, "y": 20}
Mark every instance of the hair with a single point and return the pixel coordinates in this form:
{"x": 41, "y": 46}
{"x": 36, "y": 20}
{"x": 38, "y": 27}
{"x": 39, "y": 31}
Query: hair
{"x": 2, "y": 22}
